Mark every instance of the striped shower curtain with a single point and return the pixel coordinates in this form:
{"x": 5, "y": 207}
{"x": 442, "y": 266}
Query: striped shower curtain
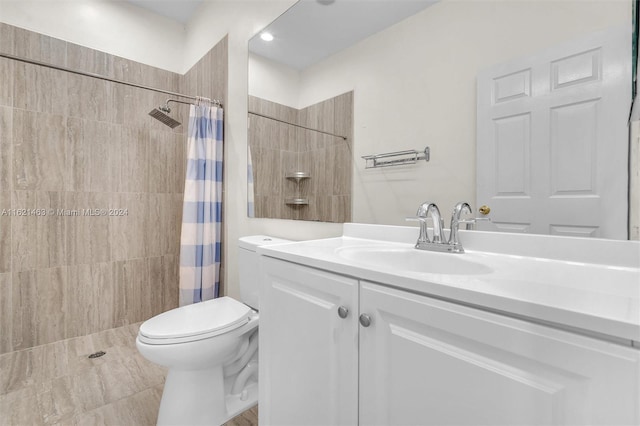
{"x": 202, "y": 210}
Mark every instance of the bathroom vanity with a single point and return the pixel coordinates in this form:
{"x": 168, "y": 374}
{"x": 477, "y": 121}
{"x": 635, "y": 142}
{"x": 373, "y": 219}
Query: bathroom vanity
{"x": 520, "y": 329}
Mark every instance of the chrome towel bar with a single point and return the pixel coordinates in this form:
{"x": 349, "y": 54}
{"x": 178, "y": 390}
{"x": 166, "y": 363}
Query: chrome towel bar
{"x": 388, "y": 159}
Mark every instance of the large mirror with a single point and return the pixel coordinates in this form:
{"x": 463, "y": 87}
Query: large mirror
{"x": 346, "y": 79}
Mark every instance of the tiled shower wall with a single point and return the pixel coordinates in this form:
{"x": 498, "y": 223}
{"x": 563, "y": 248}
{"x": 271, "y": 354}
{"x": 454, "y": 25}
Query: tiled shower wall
{"x": 278, "y": 147}
{"x": 90, "y": 191}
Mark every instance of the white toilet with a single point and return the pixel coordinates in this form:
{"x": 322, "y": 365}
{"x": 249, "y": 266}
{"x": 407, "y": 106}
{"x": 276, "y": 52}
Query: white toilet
{"x": 211, "y": 350}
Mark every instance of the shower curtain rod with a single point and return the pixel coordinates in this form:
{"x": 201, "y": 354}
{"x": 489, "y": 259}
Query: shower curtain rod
{"x": 297, "y": 125}
{"x": 101, "y": 77}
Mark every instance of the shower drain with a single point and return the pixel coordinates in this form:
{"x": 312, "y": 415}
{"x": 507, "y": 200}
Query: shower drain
{"x": 97, "y": 354}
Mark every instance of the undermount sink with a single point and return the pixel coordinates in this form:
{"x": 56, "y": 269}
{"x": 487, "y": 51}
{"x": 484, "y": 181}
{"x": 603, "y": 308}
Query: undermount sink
{"x": 413, "y": 260}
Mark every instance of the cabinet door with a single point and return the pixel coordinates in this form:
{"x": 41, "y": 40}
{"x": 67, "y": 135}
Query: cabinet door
{"x": 308, "y": 353}
{"x": 429, "y": 362}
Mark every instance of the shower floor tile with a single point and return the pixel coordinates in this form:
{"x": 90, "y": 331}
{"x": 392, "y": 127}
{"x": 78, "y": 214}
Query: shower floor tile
{"x": 57, "y": 384}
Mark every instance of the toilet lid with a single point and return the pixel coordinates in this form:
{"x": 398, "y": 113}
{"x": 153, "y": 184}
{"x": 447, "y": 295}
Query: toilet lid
{"x": 211, "y": 317}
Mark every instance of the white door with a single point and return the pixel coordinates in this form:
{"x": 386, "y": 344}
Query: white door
{"x": 308, "y": 352}
{"x": 429, "y": 362}
{"x": 552, "y": 139}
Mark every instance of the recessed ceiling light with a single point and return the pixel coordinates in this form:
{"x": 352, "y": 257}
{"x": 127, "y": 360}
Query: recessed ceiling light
{"x": 266, "y": 36}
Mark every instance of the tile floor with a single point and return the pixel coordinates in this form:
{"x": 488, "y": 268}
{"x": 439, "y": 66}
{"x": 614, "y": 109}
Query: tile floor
{"x": 57, "y": 384}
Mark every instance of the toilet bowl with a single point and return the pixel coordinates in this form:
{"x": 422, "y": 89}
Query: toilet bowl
{"x": 210, "y": 349}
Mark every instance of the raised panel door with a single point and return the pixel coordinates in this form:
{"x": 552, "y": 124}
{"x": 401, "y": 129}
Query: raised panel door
{"x": 430, "y": 362}
{"x": 552, "y": 138}
{"x": 308, "y": 353}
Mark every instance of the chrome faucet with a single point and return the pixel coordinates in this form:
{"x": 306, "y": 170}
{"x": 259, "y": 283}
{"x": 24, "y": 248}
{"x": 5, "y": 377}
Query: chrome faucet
{"x": 438, "y": 242}
{"x": 460, "y": 208}
{"x": 425, "y": 210}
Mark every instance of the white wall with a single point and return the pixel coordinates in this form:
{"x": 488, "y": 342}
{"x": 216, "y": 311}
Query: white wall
{"x": 634, "y": 161}
{"x": 115, "y": 27}
{"x": 273, "y": 81}
{"x": 415, "y": 85}
{"x": 634, "y": 181}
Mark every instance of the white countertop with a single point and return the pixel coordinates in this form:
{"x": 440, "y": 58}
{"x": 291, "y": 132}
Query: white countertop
{"x": 590, "y": 285}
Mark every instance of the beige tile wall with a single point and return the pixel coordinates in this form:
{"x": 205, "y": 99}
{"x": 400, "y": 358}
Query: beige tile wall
{"x": 69, "y": 142}
{"x": 277, "y": 148}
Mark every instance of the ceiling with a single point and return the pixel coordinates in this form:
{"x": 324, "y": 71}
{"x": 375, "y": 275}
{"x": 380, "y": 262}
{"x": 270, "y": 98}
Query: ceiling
{"x": 312, "y": 30}
{"x": 178, "y": 10}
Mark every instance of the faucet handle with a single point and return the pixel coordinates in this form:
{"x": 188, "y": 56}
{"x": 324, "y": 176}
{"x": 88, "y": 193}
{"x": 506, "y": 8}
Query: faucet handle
{"x": 417, "y": 219}
{"x": 471, "y": 222}
{"x": 414, "y": 218}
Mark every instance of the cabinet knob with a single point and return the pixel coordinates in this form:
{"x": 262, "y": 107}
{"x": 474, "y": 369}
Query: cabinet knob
{"x": 343, "y": 312}
{"x": 365, "y": 320}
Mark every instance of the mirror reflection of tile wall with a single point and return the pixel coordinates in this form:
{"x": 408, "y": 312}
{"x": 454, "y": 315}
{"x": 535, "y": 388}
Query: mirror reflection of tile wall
{"x": 279, "y": 146}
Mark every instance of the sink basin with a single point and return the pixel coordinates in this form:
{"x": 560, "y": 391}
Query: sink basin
{"x": 413, "y": 260}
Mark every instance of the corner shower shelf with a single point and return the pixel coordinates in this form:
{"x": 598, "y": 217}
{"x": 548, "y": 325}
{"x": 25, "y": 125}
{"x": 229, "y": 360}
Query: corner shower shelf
{"x": 297, "y": 201}
{"x": 297, "y": 176}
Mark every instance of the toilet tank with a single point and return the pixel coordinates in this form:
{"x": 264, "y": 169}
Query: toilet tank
{"x": 248, "y": 266}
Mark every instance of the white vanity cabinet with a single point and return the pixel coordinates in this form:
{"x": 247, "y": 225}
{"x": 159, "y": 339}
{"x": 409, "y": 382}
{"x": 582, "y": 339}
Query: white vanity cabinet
{"x": 308, "y": 353}
{"x": 423, "y": 361}
{"x": 429, "y": 362}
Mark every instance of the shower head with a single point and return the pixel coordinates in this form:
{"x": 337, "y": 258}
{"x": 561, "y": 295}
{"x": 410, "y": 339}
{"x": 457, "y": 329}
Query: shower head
{"x": 160, "y": 114}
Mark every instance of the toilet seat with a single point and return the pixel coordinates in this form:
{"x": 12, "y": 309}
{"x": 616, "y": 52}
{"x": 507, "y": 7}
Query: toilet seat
{"x": 195, "y": 322}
